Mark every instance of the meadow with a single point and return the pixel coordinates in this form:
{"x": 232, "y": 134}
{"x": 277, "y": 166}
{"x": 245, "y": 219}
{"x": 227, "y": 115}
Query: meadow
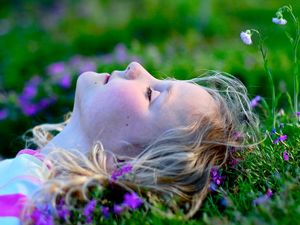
{"x": 45, "y": 45}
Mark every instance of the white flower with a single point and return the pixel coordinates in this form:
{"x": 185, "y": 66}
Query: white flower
{"x": 278, "y": 21}
{"x": 246, "y": 37}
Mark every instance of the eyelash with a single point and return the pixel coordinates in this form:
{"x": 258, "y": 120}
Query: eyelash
{"x": 149, "y": 93}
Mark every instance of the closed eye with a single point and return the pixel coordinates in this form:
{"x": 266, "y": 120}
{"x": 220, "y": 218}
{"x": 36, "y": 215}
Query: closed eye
{"x": 149, "y": 93}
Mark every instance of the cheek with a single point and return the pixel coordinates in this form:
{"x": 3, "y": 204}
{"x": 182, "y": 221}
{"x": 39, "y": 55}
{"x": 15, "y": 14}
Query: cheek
{"x": 126, "y": 100}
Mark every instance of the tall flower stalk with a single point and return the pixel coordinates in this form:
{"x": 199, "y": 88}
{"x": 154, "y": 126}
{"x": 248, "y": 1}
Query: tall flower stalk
{"x": 294, "y": 39}
{"x": 295, "y": 42}
{"x": 246, "y": 38}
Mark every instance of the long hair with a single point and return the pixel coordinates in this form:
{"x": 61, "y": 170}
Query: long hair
{"x": 176, "y": 165}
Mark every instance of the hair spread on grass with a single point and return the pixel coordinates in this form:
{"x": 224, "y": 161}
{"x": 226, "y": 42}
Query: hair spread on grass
{"x": 176, "y": 165}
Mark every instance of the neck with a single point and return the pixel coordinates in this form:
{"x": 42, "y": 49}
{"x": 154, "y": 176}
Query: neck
{"x": 70, "y": 138}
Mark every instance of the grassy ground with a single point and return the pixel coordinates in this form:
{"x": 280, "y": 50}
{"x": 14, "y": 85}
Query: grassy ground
{"x": 45, "y": 45}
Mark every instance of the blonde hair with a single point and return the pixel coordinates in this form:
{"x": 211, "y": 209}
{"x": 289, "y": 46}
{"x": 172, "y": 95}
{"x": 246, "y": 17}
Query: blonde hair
{"x": 177, "y": 164}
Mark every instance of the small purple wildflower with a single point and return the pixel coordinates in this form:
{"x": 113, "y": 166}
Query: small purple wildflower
{"x": 279, "y": 21}
{"x": 87, "y": 66}
{"x": 41, "y": 217}
{"x": 118, "y": 209}
{"x": 56, "y": 68}
{"x": 263, "y": 198}
{"x": 28, "y": 108}
{"x": 246, "y": 37}
{"x": 3, "y": 114}
{"x": 281, "y": 138}
{"x": 273, "y": 131}
{"x": 215, "y": 177}
{"x": 132, "y": 200}
{"x": 65, "y": 81}
{"x": 297, "y": 113}
{"x": 120, "y": 172}
{"x": 213, "y": 186}
{"x": 254, "y": 102}
{"x": 233, "y": 162}
{"x": 286, "y": 156}
{"x": 88, "y": 210}
{"x": 105, "y": 211}
{"x": 62, "y": 210}
{"x": 121, "y": 53}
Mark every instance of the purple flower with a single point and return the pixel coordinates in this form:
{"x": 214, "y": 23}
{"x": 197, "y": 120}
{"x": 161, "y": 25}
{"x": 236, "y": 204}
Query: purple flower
{"x": 286, "y": 155}
{"x": 281, "y": 138}
{"x": 87, "y": 66}
{"x": 279, "y": 21}
{"x": 56, "y": 68}
{"x": 41, "y": 217}
{"x": 118, "y": 209}
{"x": 215, "y": 177}
{"x": 105, "y": 211}
{"x": 273, "y": 131}
{"x": 233, "y": 162}
{"x": 3, "y": 114}
{"x": 120, "y": 172}
{"x": 263, "y": 198}
{"x": 65, "y": 81}
{"x": 132, "y": 200}
{"x": 120, "y": 53}
{"x": 246, "y": 37}
{"x": 297, "y": 113}
{"x": 254, "y": 102}
{"x": 28, "y": 108}
{"x": 88, "y": 210}
{"x": 62, "y": 210}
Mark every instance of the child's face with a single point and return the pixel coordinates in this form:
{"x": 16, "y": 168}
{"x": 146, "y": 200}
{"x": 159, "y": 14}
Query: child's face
{"x": 120, "y": 111}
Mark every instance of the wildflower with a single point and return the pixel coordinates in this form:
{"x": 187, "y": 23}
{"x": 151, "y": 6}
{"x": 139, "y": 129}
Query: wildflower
{"x": 246, "y": 37}
{"x": 286, "y": 155}
{"x": 215, "y": 176}
{"x": 132, "y": 200}
{"x": 87, "y": 66}
{"x": 279, "y": 21}
{"x": 65, "y": 81}
{"x": 233, "y": 162}
{"x": 56, "y": 68}
{"x": 118, "y": 209}
{"x": 280, "y": 138}
{"x": 105, "y": 211}
{"x": 121, "y": 53}
{"x": 3, "y": 114}
{"x": 254, "y": 102}
{"x": 297, "y": 113}
{"x": 273, "y": 131}
{"x": 88, "y": 210}
{"x": 120, "y": 172}
{"x": 263, "y": 198}
{"x": 213, "y": 186}
{"x": 41, "y": 217}
{"x": 62, "y": 210}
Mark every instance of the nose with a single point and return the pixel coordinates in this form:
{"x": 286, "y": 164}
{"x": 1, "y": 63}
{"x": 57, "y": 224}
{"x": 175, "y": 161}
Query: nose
{"x": 134, "y": 70}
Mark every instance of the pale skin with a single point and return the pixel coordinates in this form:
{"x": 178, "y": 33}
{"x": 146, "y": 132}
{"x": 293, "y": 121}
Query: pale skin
{"x": 122, "y": 115}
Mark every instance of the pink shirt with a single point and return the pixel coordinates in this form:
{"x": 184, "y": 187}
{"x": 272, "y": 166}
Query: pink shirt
{"x": 20, "y": 177}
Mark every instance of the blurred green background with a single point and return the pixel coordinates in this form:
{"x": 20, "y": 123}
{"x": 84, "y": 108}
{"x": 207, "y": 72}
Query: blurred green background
{"x": 45, "y": 45}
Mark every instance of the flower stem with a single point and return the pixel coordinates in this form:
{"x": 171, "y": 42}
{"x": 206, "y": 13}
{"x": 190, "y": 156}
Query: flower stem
{"x": 266, "y": 67}
{"x": 295, "y": 44}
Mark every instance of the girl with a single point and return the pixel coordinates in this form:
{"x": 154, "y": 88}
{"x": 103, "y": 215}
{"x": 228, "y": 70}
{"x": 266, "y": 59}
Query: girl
{"x": 171, "y": 133}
